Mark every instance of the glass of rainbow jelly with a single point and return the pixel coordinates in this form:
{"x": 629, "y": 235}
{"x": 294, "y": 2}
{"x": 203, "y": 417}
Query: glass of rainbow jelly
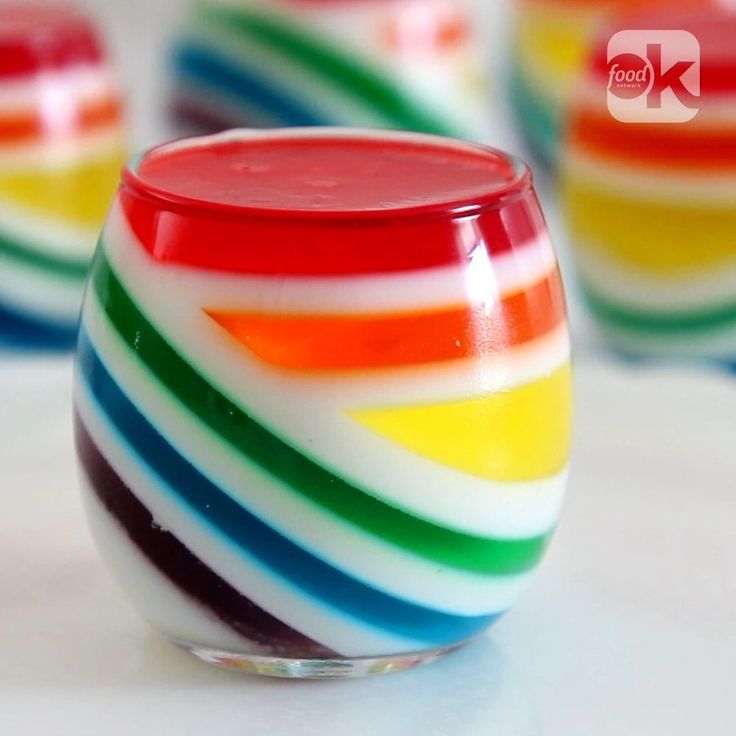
{"x": 552, "y": 43}
{"x": 61, "y": 150}
{"x": 323, "y": 395}
{"x": 651, "y": 206}
{"x": 389, "y": 64}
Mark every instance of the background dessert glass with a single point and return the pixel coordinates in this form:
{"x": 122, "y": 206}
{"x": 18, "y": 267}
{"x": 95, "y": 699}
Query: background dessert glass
{"x": 391, "y": 64}
{"x": 323, "y": 395}
{"x": 652, "y": 206}
{"x": 61, "y": 151}
{"x": 552, "y": 43}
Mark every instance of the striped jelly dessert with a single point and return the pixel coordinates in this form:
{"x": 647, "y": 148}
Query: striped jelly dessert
{"x": 552, "y": 42}
{"x": 389, "y": 64}
{"x": 61, "y": 152}
{"x": 323, "y": 395}
{"x": 652, "y": 206}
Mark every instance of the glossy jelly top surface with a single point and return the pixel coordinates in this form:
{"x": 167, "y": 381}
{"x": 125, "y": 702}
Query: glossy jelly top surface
{"x": 34, "y": 36}
{"x": 321, "y": 172}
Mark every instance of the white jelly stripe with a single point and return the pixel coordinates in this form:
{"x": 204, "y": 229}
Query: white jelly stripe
{"x": 61, "y": 152}
{"x": 714, "y": 110}
{"x": 642, "y": 182}
{"x": 38, "y": 293}
{"x": 480, "y": 283}
{"x": 455, "y": 379}
{"x": 157, "y": 599}
{"x": 243, "y": 572}
{"x": 46, "y": 234}
{"x": 49, "y": 235}
{"x": 316, "y": 422}
{"x": 714, "y": 343}
{"x": 355, "y": 552}
{"x": 56, "y": 89}
{"x": 703, "y": 290}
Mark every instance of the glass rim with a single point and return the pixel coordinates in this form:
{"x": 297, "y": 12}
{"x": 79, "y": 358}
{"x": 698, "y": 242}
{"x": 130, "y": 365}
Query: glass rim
{"x": 498, "y": 195}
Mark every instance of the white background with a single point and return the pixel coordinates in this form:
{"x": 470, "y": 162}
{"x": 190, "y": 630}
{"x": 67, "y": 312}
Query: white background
{"x": 627, "y": 631}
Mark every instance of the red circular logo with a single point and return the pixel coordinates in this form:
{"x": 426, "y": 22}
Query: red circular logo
{"x": 629, "y": 76}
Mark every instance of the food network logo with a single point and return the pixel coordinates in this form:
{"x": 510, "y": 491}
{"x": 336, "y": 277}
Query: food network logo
{"x": 653, "y": 76}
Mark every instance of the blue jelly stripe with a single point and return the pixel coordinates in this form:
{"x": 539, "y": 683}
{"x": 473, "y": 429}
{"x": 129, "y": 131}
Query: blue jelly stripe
{"x": 242, "y": 86}
{"x": 22, "y": 331}
{"x": 279, "y": 554}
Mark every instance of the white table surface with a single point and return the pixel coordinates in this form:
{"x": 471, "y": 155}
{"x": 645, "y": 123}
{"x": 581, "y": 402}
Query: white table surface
{"x": 629, "y": 628}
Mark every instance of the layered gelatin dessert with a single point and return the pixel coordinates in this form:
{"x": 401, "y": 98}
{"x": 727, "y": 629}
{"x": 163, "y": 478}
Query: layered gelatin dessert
{"x": 651, "y": 205}
{"x": 61, "y": 151}
{"x": 388, "y": 64}
{"x": 323, "y": 395}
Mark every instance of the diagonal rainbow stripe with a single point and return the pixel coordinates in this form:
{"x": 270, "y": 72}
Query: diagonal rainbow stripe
{"x": 303, "y": 494}
{"x": 300, "y": 473}
{"x": 177, "y": 563}
{"x": 241, "y": 528}
{"x": 341, "y": 342}
{"x": 277, "y": 64}
{"x": 58, "y": 172}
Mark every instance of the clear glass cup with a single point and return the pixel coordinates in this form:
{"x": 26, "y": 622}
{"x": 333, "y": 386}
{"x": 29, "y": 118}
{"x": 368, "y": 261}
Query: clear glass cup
{"x": 323, "y": 395}
{"x": 61, "y": 151}
{"x": 408, "y": 64}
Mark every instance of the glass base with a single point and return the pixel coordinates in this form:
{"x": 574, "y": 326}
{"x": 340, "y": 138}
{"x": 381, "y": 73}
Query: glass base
{"x": 315, "y": 669}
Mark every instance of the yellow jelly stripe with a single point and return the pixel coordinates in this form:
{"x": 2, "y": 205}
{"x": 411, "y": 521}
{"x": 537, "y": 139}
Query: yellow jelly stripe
{"x": 655, "y": 238}
{"x": 517, "y": 435}
{"x": 555, "y": 46}
{"x": 78, "y": 194}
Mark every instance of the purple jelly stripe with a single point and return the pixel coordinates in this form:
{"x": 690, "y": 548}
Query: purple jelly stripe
{"x": 183, "y": 568}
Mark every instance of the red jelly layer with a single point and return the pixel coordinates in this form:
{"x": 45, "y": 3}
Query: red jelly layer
{"x": 34, "y": 37}
{"x": 712, "y": 26}
{"x": 326, "y": 203}
{"x": 708, "y": 142}
{"x": 328, "y": 173}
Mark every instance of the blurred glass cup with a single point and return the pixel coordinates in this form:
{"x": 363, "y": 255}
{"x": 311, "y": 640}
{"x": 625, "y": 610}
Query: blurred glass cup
{"x": 61, "y": 150}
{"x": 649, "y": 184}
{"x": 552, "y": 41}
{"x": 406, "y": 64}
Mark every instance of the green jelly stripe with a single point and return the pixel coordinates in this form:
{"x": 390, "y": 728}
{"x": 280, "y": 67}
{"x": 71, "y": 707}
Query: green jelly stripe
{"x": 348, "y": 74}
{"x": 301, "y": 474}
{"x": 669, "y": 323}
{"x": 539, "y": 120}
{"x": 62, "y": 267}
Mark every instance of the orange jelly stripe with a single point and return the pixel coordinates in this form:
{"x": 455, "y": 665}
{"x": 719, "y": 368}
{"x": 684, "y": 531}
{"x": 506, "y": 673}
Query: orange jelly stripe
{"x": 342, "y": 342}
{"x": 687, "y": 145}
{"x": 27, "y": 126}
